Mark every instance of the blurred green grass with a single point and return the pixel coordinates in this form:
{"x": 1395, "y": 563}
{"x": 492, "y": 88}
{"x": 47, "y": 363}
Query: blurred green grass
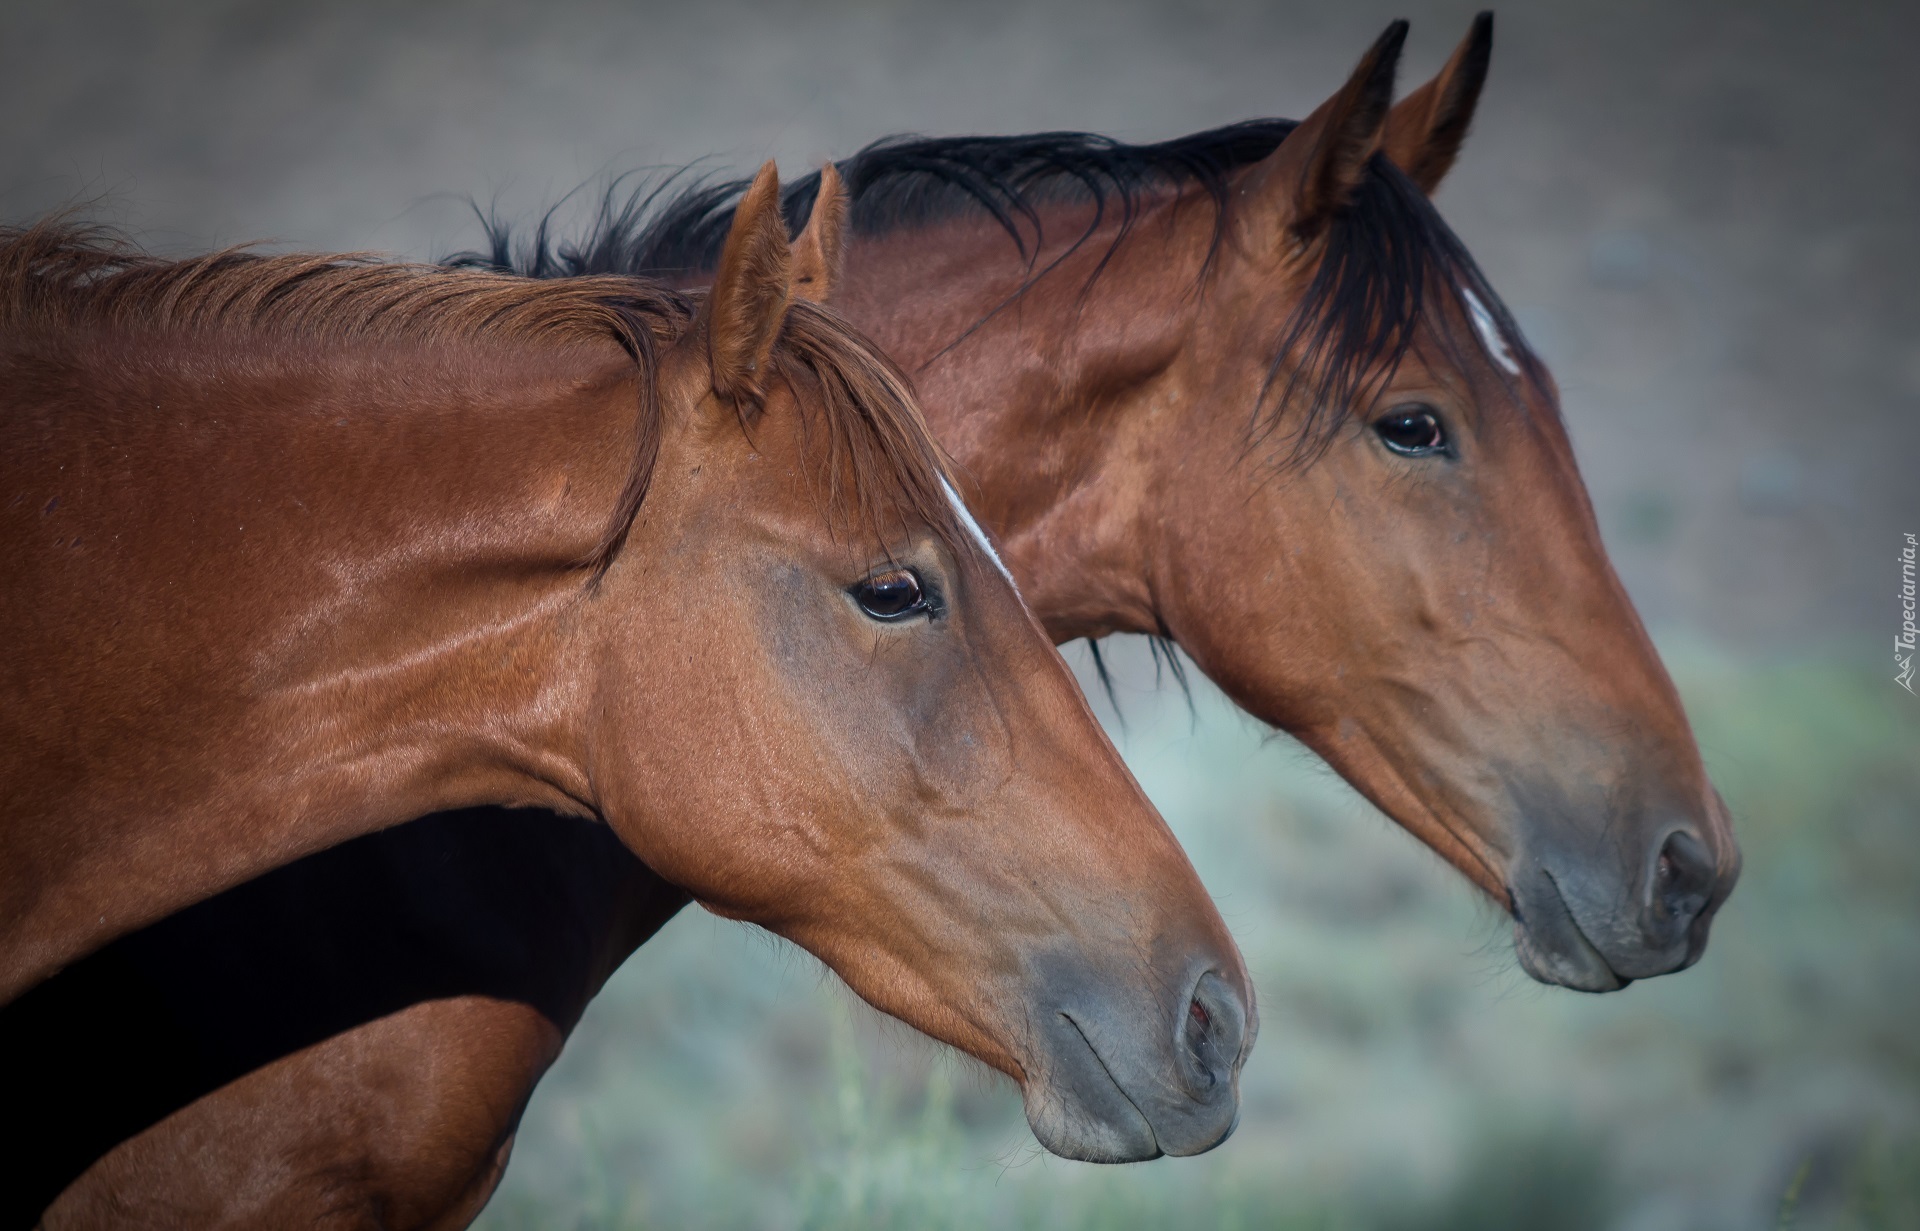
{"x": 1408, "y": 1078}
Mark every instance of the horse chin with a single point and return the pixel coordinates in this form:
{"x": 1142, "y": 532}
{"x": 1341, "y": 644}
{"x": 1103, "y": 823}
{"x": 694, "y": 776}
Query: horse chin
{"x": 1090, "y": 1126}
{"x": 1079, "y": 1107}
{"x": 1554, "y": 950}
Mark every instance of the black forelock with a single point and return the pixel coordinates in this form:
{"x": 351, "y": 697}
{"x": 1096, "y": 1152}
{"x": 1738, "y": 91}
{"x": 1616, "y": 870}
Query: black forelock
{"x": 1386, "y": 260}
{"x": 1380, "y": 256}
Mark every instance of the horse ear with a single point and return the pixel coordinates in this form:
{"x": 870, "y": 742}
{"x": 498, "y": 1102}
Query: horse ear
{"x": 751, "y": 291}
{"x": 1318, "y": 167}
{"x": 822, "y": 245}
{"x": 1426, "y": 128}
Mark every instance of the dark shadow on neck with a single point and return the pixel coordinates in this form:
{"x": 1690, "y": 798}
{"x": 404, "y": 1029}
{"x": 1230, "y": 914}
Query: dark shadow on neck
{"x": 515, "y": 905}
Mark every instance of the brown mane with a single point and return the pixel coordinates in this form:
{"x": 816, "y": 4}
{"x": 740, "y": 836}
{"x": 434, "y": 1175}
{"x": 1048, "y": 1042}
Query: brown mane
{"x": 59, "y": 279}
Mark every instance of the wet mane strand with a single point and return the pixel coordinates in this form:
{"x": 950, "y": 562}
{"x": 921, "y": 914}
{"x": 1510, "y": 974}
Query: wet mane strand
{"x": 885, "y": 470}
{"x": 1380, "y": 258}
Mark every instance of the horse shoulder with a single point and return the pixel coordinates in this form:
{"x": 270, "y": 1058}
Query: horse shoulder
{"x": 405, "y": 1122}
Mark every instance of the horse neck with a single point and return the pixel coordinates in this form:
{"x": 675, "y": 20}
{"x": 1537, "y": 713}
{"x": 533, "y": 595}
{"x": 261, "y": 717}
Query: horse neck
{"x": 1039, "y": 397}
{"x": 343, "y": 577}
{"x": 478, "y": 479}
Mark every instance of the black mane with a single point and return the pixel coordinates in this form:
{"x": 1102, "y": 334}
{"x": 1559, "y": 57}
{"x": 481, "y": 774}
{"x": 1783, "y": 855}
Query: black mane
{"x": 1383, "y": 253}
{"x": 677, "y": 224}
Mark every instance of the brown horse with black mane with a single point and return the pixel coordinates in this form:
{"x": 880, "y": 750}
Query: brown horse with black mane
{"x": 1243, "y": 389}
{"x": 301, "y": 547}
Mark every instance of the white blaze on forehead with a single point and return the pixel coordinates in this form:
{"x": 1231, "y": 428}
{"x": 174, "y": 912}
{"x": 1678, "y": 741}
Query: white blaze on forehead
{"x": 1489, "y": 331}
{"x": 973, "y": 528}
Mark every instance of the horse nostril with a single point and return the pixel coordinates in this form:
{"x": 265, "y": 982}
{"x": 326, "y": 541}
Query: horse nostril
{"x": 1213, "y": 1033}
{"x": 1682, "y": 878}
{"x": 1200, "y": 1043}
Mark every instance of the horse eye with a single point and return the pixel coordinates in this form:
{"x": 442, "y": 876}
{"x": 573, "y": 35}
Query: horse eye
{"x": 892, "y": 595}
{"x": 1415, "y": 432}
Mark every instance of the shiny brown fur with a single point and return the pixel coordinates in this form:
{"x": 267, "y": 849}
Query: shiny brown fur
{"x": 308, "y": 546}
{"x": 429, "y": 1160}
{"x": 1445, "y": 632}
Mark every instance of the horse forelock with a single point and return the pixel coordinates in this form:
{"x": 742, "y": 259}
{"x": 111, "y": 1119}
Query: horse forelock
{"x": 1386, "y": 267}
{"x": 1383, "y": 264}
{"x": 878, "y": 441}
{"x": 60, "y": 281}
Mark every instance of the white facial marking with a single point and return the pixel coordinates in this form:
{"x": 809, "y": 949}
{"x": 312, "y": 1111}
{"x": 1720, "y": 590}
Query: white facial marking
{"x": 973, "y": 528}
{"x": 1490, "y": 335}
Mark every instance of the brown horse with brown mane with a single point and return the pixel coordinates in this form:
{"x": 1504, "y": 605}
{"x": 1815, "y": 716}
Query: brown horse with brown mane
{"x": 306, "y": 546}
{"x": 1245, "y": 390}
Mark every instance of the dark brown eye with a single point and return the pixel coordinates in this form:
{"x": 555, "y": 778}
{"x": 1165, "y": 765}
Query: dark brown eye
{"x": 892, "y": 595}
{"x": 1413, "y": 430}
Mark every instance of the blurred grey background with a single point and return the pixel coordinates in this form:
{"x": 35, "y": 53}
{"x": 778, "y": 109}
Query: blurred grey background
{"x": 1704, "y": 217}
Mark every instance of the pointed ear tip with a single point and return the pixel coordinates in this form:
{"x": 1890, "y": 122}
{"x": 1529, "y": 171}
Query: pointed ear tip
{"x": 1387, "y": 48}
{"x": 831, "y": 184}
{"x": 1382, "y": 62}
{"x": 769, "y": 172}
{"x": 762, "y": 199}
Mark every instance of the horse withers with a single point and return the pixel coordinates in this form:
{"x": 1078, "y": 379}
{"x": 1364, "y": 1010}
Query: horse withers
{"x": 305, "y": 546}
